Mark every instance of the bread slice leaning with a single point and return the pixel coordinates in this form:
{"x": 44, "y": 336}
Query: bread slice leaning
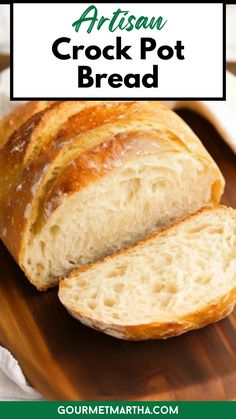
{"x": 179, "y": 279}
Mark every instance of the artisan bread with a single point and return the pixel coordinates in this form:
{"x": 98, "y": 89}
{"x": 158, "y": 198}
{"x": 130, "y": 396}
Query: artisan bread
{"x": 80, "y": 180}
{"x": 179, "y": 279}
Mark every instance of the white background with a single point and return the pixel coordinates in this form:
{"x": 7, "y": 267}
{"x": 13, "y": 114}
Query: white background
{"x": 230, "y": 30}
{"x": 38, "y": 73}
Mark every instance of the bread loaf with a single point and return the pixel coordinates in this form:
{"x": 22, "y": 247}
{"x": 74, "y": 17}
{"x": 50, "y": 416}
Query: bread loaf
{"x": 80, "y": 180}
{"x": 179, "y": 279}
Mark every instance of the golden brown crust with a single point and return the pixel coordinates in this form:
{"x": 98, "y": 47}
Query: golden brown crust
{"x": 26, "y": 141}
{"x": 34, "y": 129}
{"x": 19, "y": 182}
{"x": 213, "y": 312}
{"x": 24, "y": 187}
{"x": 98, "y": 161}
{"x": 21, "y": 114}
{"x": 12, "y": 154}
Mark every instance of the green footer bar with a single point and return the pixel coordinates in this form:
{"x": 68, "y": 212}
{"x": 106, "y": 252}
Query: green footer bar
{"x": 51, "y": 410}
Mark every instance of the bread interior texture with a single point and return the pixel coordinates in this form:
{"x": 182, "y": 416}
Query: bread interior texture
{"x": 184, "y": 270}
{"x": 145, "y": 194}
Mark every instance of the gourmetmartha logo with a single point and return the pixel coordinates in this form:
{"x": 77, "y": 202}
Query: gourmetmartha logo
{"x": 119, "y": 409}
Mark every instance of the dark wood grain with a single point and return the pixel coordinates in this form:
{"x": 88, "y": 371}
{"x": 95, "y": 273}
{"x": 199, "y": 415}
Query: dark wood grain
{"x": 65, "y": 360}
{"x": 4, "y": 61}
{"x": 231, "y": 66}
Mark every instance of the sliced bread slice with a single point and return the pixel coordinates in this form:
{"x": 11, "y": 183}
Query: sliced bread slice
{"x": 179, "y": 279}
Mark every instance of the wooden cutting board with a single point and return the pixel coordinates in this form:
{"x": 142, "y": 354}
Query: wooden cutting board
{"x": 65, "y": 360}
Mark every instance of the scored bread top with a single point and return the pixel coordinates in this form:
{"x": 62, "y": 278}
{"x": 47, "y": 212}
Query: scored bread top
{"x": 11, "y": 122}
{"x": 34, "y": 161}
{"x": 30, "y": 137}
